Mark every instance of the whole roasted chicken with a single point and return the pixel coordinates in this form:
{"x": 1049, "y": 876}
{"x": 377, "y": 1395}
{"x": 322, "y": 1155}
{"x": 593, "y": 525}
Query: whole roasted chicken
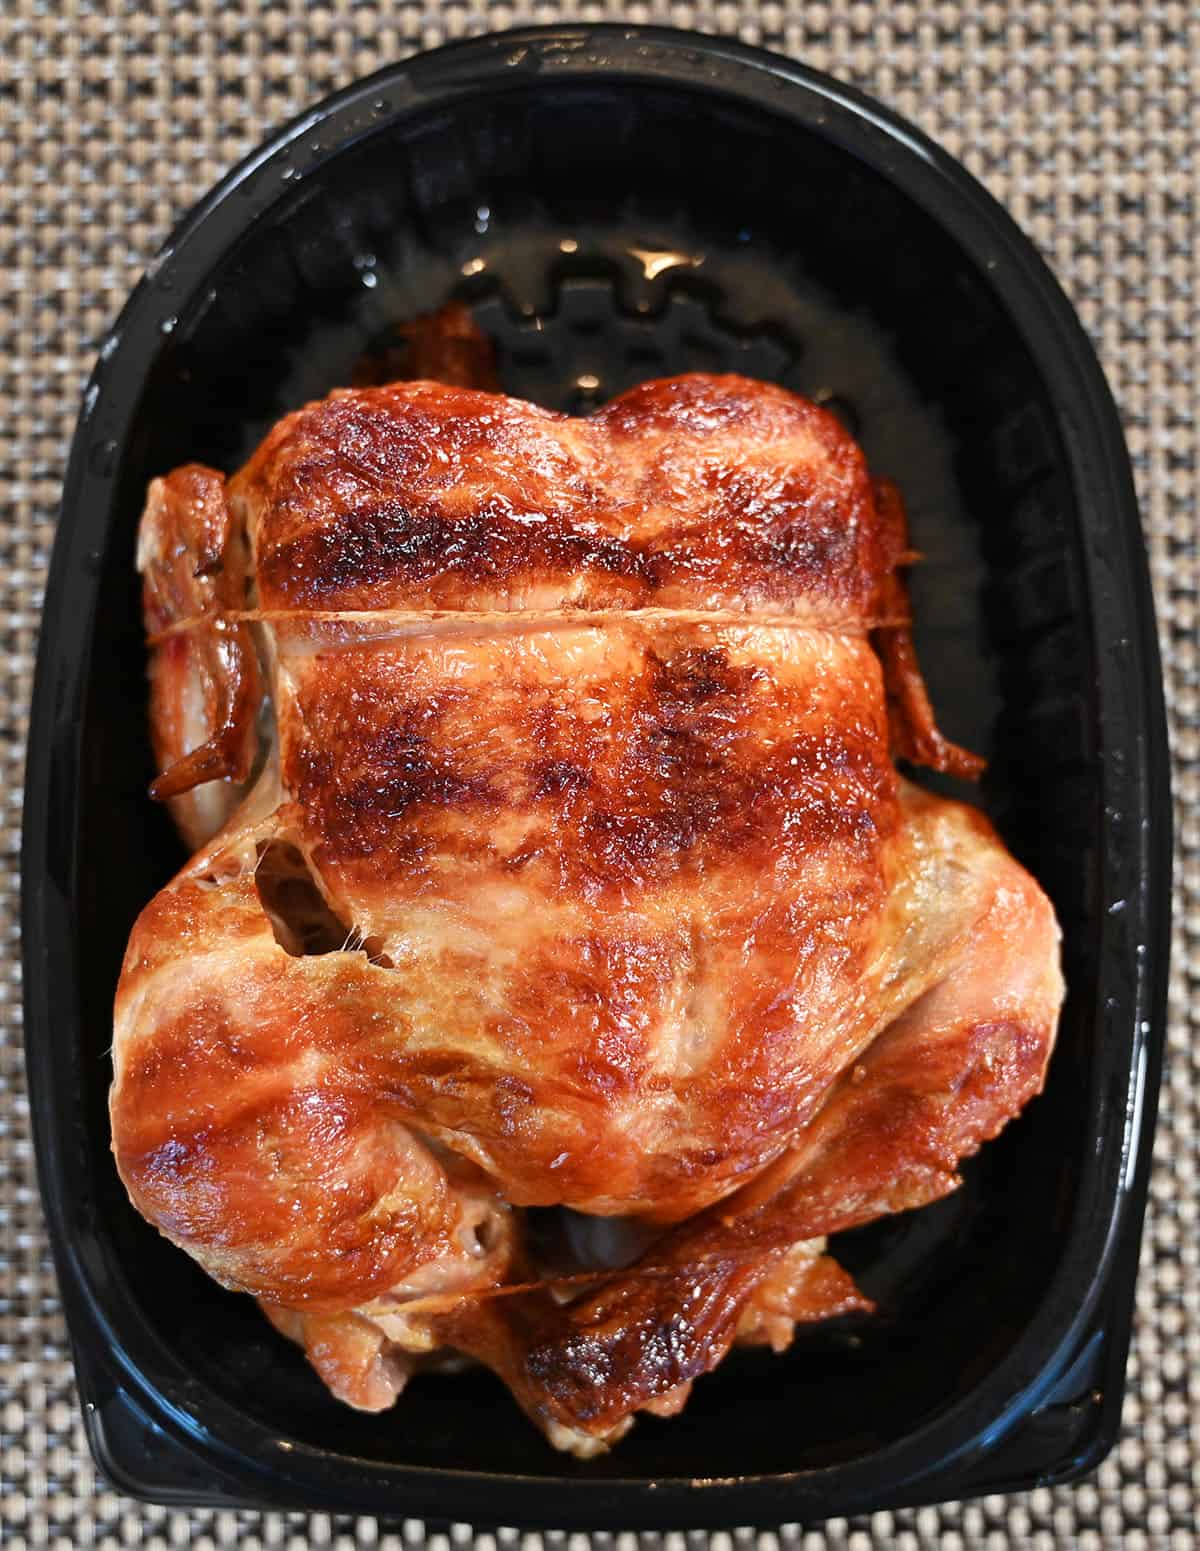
{"x": 550, "y": 853}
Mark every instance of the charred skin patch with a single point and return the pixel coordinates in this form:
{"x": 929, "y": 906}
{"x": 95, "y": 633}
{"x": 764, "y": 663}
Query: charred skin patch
{"x": 363, "y": 551}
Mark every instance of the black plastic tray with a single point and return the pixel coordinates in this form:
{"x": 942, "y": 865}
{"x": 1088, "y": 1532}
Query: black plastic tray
{"x": 615, "y": 204}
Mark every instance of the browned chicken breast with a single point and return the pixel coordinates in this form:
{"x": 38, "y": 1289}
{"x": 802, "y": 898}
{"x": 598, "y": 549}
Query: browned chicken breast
{"x": 552, "y": 854}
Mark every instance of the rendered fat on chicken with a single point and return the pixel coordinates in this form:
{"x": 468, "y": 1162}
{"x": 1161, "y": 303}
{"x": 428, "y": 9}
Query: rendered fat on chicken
{"x": 551, "y": 853}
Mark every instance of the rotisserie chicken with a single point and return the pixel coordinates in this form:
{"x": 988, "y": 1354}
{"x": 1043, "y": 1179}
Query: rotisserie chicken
{"x": 550, "y": 853}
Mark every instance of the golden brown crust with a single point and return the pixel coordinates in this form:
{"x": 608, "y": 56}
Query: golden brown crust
{"x": 421, "y": 496}
{"x": 967, "y": 1051}
{"x": 579, "y": 875}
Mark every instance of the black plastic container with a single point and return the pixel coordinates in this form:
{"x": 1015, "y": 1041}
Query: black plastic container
{"x": 617, "y": 204}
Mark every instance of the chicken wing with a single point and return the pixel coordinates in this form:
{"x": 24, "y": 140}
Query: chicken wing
{"x": 205, "y": 689}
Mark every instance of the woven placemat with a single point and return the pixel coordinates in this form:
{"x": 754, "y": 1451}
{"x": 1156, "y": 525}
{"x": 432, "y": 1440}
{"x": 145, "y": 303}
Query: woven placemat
{"x": 1081, "y": 117}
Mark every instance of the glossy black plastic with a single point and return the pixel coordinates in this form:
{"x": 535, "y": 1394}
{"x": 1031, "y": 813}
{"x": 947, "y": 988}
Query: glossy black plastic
{"x": 617, "y": 203}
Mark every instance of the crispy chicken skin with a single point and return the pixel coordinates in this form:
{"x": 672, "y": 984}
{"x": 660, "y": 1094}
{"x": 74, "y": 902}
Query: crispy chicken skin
{"x": 577, "y": 874}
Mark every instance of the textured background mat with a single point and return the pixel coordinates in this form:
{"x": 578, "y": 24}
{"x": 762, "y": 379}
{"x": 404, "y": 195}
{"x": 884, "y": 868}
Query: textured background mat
{"x": 1083, "y": 118}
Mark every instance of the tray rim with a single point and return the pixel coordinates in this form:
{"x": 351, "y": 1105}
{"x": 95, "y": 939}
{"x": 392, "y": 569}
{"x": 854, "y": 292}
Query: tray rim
{"x": 1118, "y": 591}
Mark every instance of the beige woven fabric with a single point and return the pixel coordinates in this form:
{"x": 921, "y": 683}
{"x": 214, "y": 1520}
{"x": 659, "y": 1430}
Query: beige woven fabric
{"x": 1081, "y": 117}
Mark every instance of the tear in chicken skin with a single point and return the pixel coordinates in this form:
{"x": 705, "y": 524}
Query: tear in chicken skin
{"x": 576, "y": 873}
